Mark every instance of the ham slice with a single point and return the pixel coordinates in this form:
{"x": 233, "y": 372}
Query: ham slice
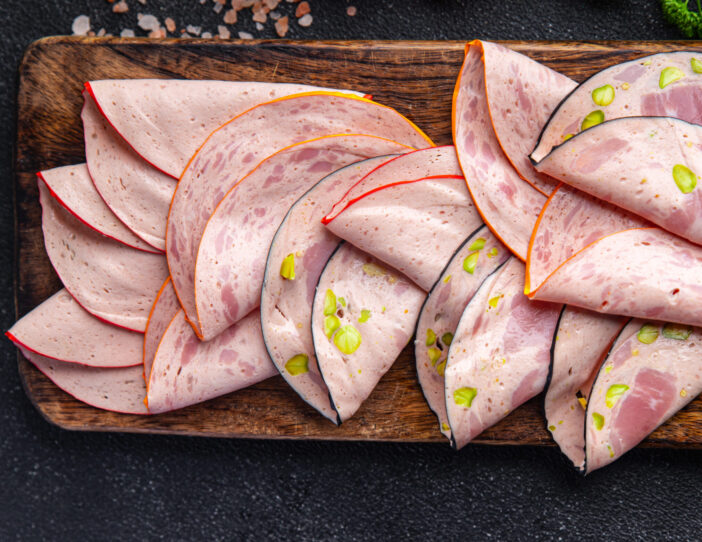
{"x": 650, "y": 375}
{"x": 477, "y": 258}
{"x": 74, "y": 189}
{"x": 231, "y": 258}
{"x": 286, "y": 302}
{"x": 235, "y": 149}
{"x": 111, "y": 281}
{"x": 499, "y": 356}
{"x": 62, "y": 330}
{"x": 162, "y": 313}
{"x": 648, "y": 166}
{"x": 661, "y": 85}
{"x": 363, "y": 315}
{"x": 414, "y": 226}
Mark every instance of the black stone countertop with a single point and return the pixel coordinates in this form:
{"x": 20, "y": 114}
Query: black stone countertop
{"x": 56, "y": 484}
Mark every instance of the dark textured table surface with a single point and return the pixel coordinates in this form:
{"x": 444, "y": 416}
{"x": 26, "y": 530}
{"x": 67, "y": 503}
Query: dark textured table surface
{"x": 56, "y": 484}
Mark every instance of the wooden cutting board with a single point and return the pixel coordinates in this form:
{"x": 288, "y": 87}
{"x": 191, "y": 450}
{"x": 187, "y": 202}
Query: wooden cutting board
{"x": 416, "y": 78}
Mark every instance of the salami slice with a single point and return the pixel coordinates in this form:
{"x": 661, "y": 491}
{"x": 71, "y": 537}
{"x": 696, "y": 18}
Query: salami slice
{"x": 62, "y": 330}
{"x": 111, "y": 281}
{"x": 477, "y": 258}
{"x": 235, "y": 149}
{"x": 231, "y": 258}
{"x": 162, "y": 313}
{"x": 647, "y": 378}
{"x": 413, "y": 226}
{"x": 363, "y": 315}
{"x": 288, "y": 292}
{"x": 499, "y": 355}
{"x": 74, "y": 189}
{"x": 663, "y": 85}
{"x": 186, "y": 371}
{"x": 647, "y": 165}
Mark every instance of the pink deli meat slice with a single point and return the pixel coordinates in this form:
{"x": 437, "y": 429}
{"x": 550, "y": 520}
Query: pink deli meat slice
{"x": 165, "y": 121}
{"x": 644, "y": 381}
{"x": 61, "y": 329}
{"x": 162, "y": 313}
{"x": 499, "y": 356}
{"x": 111, "y": 281}
{"x": 74, "y": 189}
{"x": 521, "y": 95}
{"x": 508, "y": 205}
{"x": 661, "y": 85}
{"x": 234, "y": 150}
{"x": 116, "y": 389}
{"x": 413, "y": 226}
{"x": 187, "y": 371}
{"x": 646, "y": 165}
{"x": 477, "y": 258}
{"x": 232, "y": 255}
{"x": 364, "y": 314}
{"x": 286, "y": 303}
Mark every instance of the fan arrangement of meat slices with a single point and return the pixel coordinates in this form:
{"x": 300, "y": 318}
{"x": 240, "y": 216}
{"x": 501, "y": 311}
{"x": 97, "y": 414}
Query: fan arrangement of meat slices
{"x": 222, "y": 233}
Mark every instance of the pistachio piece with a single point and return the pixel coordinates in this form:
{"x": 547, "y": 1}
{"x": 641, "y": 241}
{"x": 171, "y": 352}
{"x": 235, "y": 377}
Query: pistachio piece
{"x": 434, "y": 355}
{"x": 647, "y": 334}
{"x": 679, "y": 332}
{"x": 696, "y": 65}
{"x": 670, "y": 75}
{"x": 552, "y": 428}
{"x": 373, "y": 270}
{"x": 493, "y": 252}
{"x": 431, "y": 337}
{"x": 331, "y": 324}
{"x": 298, "y": 364}
{"x": 464, "y": 396}
{"x": 685, "y": 178}
{"x": 446, "y": 338}
{"x": 478, "y": 244}
{"x": 287, "y": 268}
{"x": 598, "y": 420}
{"x": 347, "y": 339}
{"x": 494, "y": 301}
{"x": 441, "y": 368}
{"x": 329, "y": 303}
{"x": 583, "y": 402}
{"x": 470, "y": 262}
{"x": 603, "y": 95}
{"x": 342, "y": 302}
{"x": 625, "y": 86}
{"x": 448, "y": 278}
{"x": 567, "y": 137}
{"x": 613, "y": 394}
{"x": 592, "y": 119}
{"x": 445, "y": 427}
{"x": 365, "y": 314}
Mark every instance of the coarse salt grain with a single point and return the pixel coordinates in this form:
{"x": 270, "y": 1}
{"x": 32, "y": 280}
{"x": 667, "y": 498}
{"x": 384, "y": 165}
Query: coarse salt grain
{"x": 206, "y": 35}
{"x": 260, "y": 16}
{"x": 218, "y": 7}
{"x": 81, "y": 25}
{"x": 305, "y": 20}
{"x": 127, "y": 33}
{"x": 259, "y": 26}
{"x": 147, "y": 22}
{"x": 351, "y": 11}
{"x": 194, "y": 30}
{"x": 281, "y": 26}
{"x": 271, "y": 4}
{"x": 223, "y": 32}
{"x": 230, "y": 16}
{"x": 120, "y": 7}
{"x": 275, "y": 15}
{"x": 245, "y": 36}
{"x": 303, "y": 8}
{"x": 170, "y": 24}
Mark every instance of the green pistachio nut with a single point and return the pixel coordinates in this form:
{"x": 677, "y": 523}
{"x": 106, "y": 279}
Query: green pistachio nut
{"x": 598, "y": 420}
{"x": 441, "y": 368}
{"x": 342, "y": 302}
{"x": 471, "y": 262}
{"x": 447, "y": 338}
{"x": 434, "y": 355}
{"x": 373, "y": 270}
{"x": 478, "y": 244}
{"x": 670, "y": 75}
{"x": 613, "y": 394}
{"x": 567, "y": 137}
{"x": 592, "y": 119}
{"x": 493, "y": 252}
{"x": 603, "y": 95}
{"x": 287, "y": 268}
{"x": 647, "y": 334}
{"x": 696, "y": 65}
{"x": 347, "y": 339}
{"x": 679, "y": 332}
{"x": 494, "y": 301}
{"x": 431, "y": 337}
{"x": 298, "y": 364}
{"x": 464, "y": 396}
{"x": 685, "y": 178}
{"x": 329, "y": 303}
{"x": 365, "y": 315}
{"x": 331, "y": 324}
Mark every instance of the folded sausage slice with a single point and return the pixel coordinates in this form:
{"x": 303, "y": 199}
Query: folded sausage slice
{"x": 162, "y": 313}
{"x": 364, "y": 314}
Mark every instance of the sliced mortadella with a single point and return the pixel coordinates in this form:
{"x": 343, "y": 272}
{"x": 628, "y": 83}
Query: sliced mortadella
{"x": 430, "y": 162}
{"x": 187, "y": 371}
{"x": 74, "y": 189}
{"x": 165, "y": 121}
{"x": 661, "y": 85}
{"x": 413, "y": 226}
{"x": 499, "y": 355}
{"x": 162, "y": 313}
{"x": 297, "y": 256}
{"x": 581, "y": 343}
{"x": 570, "y": 221}
{"x": 61, "y": 329}
{"x": 138, "y": 194}
{"x": 508, "y": 205}
{"x": 235, "y": 149}
{"x": 521, "y": 95}
{"x": 111, "y": 281}
{"x": 116, "y": 389}
{"x": 646, "y": 165}
{"x": 364, "y": 314}
{"x": 473, "y": 262}
{"x": 232, "y": 255}
{"x": 646, "y": 379}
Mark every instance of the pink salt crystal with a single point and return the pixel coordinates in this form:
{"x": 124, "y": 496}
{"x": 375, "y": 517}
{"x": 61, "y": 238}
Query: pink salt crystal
{"x": 351, "y": 11}
{"x": 170, "y": 24}
{"x": 120, "y": 7}
{"x": 305, "y": 20}
{"x": 223, "y": 32}
{"x": 81, "y": 25}
{"x": 281, "y": 26}
{"x": 230, "y": 16}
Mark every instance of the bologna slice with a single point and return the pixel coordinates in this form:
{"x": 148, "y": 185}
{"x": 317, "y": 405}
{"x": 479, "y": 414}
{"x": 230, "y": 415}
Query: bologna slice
{"x": 232, "y": 255}
{"x": 499, "y": 356}
{"x": 521, "y": 95}
{"x": 234, "y": 150}
{"x": 138, "y": 194}
{"x": 74, "y": 189}
{"x": 363, "y": 315}
{"x": 413, "y": 226}
{"x": 647, "y": 378}
{"x": 298, "y": 253}
{"x": 162, "y": 313}
{"x": 61, "y": 329}
{"x": 508, "y": 205}
{"x": 473, "y": 262}
{"x": 116, "y": 389}
{"x": 661, "y": 85}
{"x": 646, "y": 165}
{"x": 111, "y": 281}
{"x": 187, "y": 371}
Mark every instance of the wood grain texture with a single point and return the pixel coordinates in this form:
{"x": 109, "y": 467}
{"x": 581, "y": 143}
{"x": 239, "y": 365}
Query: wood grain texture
{"x": 416, "y": 78}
